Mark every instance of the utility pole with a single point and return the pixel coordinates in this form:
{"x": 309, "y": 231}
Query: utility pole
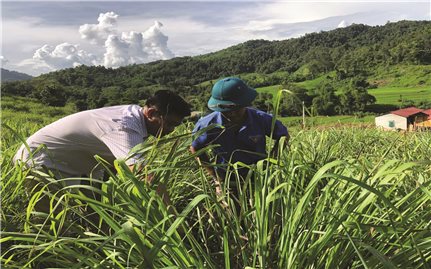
{"x": 303, "y": 115}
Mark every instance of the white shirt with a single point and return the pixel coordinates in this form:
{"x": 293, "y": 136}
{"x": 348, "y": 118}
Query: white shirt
{"x": 73, "y": 141}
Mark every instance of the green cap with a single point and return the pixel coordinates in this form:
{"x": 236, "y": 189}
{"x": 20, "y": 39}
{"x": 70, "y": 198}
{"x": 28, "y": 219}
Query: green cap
{"x": 230, "y": 94}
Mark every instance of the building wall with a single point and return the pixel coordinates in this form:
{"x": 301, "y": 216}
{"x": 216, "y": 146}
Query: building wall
{"x": 421, "y": 118}
{"x": 391, "y": 122}
{"x": 424, "y": 124}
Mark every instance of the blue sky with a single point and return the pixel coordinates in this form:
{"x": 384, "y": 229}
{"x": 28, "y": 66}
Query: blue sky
{"x": 39, "y": 37}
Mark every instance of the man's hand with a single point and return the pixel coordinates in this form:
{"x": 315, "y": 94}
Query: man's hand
{"x": 219, "y": 192}
{"x": 161, "y": 190}
{"x": 203, "y": 160}
{"x": 274, "y": 151}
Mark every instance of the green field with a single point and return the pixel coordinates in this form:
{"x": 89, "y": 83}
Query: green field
{"x": 402, "y": 76}
{"x": 394, "y": 95}
{"x": 328, "y": 121}
{"x": 342, "y": 197}
{"x": 393, "y": 85}
{"x": 384, "y": 95}
{"x": 270, "y": 89}
{"x": 31, "y": 110}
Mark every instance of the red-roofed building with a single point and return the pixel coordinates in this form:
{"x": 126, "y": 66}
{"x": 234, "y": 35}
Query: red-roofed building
{"x": 407, "y": 112}
{"x": 428, "y": 111}
{"x": 409, "y": 118}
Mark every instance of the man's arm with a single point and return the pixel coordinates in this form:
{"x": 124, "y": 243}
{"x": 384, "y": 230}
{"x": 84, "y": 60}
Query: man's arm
{"x": 203, "y": 160}
{"x": 161, "y": 188}
{"x": 274, "y": 150}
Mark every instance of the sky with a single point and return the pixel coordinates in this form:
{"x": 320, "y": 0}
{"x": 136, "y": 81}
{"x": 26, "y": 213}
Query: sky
{"x": 39, "y": 37}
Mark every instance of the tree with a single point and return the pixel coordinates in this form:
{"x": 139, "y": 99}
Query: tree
{"x": 264, "y": 101}
{"x": 20, "y": 88}
{"x": 355, "y": 97}
{"x": 50, "y": 92}
{"x": 291, "y": 104}
{"x": 325, "y": 100}
{"x": 112, "y": 95}
{"x": 133, "y": 95}
{"x": 319, "y": 60}
{"x": 93, "y": 98}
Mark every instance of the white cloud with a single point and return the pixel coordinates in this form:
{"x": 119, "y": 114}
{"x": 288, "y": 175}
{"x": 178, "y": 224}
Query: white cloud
{"x": 61, "y": 56}
{"x": 188, "y": 36}
{"x": 3, "y": 60}
{"x": 64, "y": 55}
{"x": 98, "y": 33}
{"x": 156, "y": 42}
{"x": 120, "y": 49}
{"x": 294, "y": 12}
{"x": 282, "y": 20}
{"x": 342, "y": 24}
{"x": 133, "y": 47}
{"x": 33, "y": 67}
{"x": 117, "y": 52}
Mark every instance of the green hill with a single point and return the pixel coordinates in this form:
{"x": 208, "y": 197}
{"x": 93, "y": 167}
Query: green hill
{"x": 7, "y": 75}
{"x": 390, "y": 58}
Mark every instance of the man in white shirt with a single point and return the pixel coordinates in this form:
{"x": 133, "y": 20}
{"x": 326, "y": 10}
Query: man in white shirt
{"x": 67, "y": 146}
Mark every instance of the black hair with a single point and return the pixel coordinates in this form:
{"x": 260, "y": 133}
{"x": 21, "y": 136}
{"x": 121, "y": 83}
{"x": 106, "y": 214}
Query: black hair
{"x": 168, "y": 103}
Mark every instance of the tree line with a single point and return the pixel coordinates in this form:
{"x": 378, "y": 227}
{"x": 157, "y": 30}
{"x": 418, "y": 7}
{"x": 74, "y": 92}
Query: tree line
{"x": 323, "y": 100}
{"x": 350, "y": 53}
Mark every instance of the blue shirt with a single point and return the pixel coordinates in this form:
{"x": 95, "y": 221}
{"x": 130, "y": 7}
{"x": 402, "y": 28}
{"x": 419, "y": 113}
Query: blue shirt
{"x": 246, "y": 144}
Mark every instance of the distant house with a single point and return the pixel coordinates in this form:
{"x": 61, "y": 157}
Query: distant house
{"x": 409, "y": 118}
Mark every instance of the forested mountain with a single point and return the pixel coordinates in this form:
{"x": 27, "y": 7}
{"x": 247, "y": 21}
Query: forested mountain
{"x": 346, "y": 55}
{"x": 7, "y": 75}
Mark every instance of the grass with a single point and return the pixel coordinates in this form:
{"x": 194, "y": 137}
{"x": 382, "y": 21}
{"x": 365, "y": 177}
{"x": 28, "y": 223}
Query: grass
{"x": 394, "y": 95}
{"x": 405, "y": 76}
{"x": 269, "y": 89}
{"x": 314, "y": 83}
{"x": 338, "y": 198}
{"x": 28, "y": 109}
{"x": 327, "y": 120}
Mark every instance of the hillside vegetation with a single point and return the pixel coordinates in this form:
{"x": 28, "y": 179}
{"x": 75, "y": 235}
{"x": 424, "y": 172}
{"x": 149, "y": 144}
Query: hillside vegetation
{"x": 335, "y": 67}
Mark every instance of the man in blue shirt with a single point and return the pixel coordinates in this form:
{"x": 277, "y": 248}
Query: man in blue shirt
{"x": 241, "y": 136}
